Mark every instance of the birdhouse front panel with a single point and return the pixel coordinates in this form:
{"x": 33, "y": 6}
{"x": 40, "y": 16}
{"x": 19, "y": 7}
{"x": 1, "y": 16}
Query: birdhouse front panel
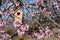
{"x": 18, "y": 16}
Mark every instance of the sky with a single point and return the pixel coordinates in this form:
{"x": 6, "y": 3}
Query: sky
{"x": 30, "y": 1}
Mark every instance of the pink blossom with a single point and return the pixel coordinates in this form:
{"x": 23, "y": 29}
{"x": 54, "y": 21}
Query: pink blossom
{"x": 17, "y": 23}
{"x": 26, "y": 5}
{"x": 27, "y": 27}
{"x": 38, "y": 2}
{"x": 23, "y": 28}
{"x": 48, "y": 33}
{"x": 6, "y": 36}
{"x": 2, "y": 30}
{"x": 20, "y": 32}
{"x": 33, "y": 15}
{"x": 1, "y": 12}
{"x": 40, "y": 35}
{"x": 46, "y": 12}
{"x": 1, "y": 23}
{"x": 17, "y": 3}
{"x": 47, "y": 28}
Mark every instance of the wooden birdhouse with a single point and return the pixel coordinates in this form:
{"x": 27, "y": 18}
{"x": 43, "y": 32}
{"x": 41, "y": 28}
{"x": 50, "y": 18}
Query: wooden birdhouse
{"x": 18, "y": 15}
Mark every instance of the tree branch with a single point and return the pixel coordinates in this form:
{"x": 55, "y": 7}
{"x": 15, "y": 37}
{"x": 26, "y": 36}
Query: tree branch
{"x": 46, "y": 16}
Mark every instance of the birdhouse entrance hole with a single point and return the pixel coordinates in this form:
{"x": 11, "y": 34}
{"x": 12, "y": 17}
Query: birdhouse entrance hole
{"x": 18, "y": 13}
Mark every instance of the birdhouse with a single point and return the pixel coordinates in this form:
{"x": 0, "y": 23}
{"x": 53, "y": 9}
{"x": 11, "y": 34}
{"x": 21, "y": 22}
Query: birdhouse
{"x": 18, "y": 15}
